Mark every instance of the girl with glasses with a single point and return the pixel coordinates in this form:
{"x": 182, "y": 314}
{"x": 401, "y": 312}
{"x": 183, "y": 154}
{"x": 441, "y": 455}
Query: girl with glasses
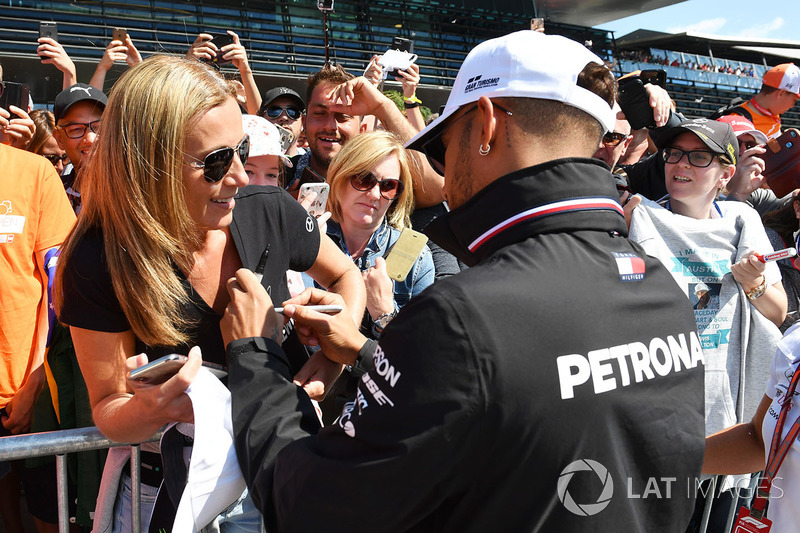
{"x": 715, "y": 246}
{"x": 145, "y": 270}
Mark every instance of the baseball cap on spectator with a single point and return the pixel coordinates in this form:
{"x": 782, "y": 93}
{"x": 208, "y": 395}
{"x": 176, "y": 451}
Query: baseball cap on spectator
{"x": 523, "y": 64}
{"x": 277, "y": 92}
{"x": 742, "y": 126}
{"x": 717, "y": 136}
{"x": 785, "y": 76}
{"x": 74, "y": 94}
{"x": 265, "y": 139}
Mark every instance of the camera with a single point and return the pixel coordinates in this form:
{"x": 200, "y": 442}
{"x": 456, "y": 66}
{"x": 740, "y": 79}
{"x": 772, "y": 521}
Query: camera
{"x": 326, "y": 6}
{"x": 399, "y": 57}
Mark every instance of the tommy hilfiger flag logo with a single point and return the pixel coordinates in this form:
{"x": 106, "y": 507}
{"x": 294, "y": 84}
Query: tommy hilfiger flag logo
{"x": 630, "y": 266}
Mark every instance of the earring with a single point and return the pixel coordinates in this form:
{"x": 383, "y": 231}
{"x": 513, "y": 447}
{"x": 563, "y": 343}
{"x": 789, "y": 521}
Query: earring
{"x": 484, "y": 151}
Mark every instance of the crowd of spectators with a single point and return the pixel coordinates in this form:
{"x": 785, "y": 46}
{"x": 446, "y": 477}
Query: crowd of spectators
{"x": 133, "y": 228}
{"x": 737, "y": 69}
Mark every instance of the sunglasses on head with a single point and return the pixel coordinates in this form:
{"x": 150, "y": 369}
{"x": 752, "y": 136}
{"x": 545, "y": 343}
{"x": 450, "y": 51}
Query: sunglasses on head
{"x": 275, "y": 111}
{"x": 216, "y": 164}
{"x": 390, "y": 188}
{"x": 613, "y": 138}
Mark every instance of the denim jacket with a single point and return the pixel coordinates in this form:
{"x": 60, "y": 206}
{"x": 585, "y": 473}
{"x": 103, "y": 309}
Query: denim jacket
{"x": 418, "y": 279}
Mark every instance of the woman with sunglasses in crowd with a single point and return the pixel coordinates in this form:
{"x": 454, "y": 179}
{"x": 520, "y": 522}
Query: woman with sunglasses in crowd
{"x": 43, "y": 142}
{"x": 712, "y": 250}
{"x": 145, "y": 270}
{"x": 371, "y": 201}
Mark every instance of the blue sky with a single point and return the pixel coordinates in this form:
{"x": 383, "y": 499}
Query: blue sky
{"x": 747, "y": 19}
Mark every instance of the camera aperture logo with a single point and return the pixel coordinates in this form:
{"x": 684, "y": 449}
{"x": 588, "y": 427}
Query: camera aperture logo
{"x": 585, "y": 509}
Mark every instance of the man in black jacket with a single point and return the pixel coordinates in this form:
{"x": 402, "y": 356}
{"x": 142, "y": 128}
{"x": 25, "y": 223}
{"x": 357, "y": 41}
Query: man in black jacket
{"x": 557, "y": 385}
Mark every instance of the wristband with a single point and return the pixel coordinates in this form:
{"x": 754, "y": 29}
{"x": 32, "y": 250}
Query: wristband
{"x": 411, "y": 105}
{"x": 412, "y": 99}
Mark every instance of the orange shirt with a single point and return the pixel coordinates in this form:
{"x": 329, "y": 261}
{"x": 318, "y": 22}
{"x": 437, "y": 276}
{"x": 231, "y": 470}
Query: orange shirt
{"x": 768, "y": 124}
{"x": 35, "y": 215}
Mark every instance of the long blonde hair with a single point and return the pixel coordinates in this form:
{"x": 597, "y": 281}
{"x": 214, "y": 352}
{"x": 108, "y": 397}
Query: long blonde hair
{"x": 132, "y": 188}
{"x": 362, "y": 154}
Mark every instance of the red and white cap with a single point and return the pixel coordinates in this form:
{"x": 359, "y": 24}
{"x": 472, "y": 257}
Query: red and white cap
{"x": 785, "y": 76}
{"x": 742, "y": 126}
{"x": 523, "y": 64}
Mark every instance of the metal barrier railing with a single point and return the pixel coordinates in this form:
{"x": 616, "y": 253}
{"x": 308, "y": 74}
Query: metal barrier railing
{"x": 60, "y": 443}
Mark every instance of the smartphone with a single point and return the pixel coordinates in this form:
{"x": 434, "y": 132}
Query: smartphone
{"x": 158, "y": 371}
{"x": 322, "y": 190}
{"x": 403, "y": 253}
{"x": 119, "y": 34}
{"x": 163, "y": 368}
{"x": 635, "y": 103}
{"x": 782, "y": 162}
{"x": 537, "y": 24}
{"x": 220, "y": 41}
{"x": 287, "y": 137}
{"x": 404, "y": 45}
{"x": 48, "y": 29}
{"x": 15, "y": 94}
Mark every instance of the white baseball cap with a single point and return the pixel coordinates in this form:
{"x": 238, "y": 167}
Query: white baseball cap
{"x": 523, "y": 64}
{"x": 265, "y": 139}
{"x": 785, "y": 76}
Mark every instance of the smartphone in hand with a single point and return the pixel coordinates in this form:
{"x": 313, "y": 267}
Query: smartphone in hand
{"x": 403, "y": 253}
{"x": 49, "y": 29}
{"x": 322, "y": 190}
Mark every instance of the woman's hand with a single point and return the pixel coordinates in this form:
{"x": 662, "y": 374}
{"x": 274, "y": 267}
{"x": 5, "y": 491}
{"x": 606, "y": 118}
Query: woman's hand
{"x": 380, "y": 289}
{"x": 318, "y": 376}
{"x": 410, "y": 79}
{"x": 749, "y": 271}
{"x": 236, "y": 53}
{"x": 166, "y": 402}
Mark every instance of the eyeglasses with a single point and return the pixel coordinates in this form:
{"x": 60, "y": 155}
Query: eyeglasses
{"x": 697, "y": 158}
{"x": 434, "y": 149}
{"x": 76, "y": 130}
{"x": 275, "y": 111}
{"x": 613, "y": 138}
{"x": 390, "y": 188}
{"x": 217, "y": 163}
{"x": 55, "y": 158}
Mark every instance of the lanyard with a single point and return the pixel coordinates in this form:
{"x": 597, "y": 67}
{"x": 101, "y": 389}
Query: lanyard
{"x": 778, "y": 449}
{"x": 763, "y": 110}
{"x": 668, "y": 208}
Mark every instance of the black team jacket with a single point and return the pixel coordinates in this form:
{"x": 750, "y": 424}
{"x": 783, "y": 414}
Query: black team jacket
{"x": 557, "y": 385}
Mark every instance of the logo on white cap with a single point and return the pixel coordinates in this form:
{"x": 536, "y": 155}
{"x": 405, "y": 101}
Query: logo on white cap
{"x": 88, "y": 92}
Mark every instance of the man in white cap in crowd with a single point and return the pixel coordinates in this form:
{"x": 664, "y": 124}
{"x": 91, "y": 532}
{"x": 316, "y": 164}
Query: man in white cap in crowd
{"x": 780, "y": 90}
{"x": 494, "y": 401}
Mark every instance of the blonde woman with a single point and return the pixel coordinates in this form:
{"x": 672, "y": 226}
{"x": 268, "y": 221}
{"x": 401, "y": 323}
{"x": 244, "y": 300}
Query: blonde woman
{"x": 371, "y": 200}
{"x": 144, "y": 270}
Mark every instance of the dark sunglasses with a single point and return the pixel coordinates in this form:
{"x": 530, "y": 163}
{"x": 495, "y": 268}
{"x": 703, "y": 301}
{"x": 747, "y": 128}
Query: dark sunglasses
{"x": 217, "y": 163}
{"x": 434, "y": 149}
{"x": 55, "y": 158}
{"x": 275, "y": 111}
{"x": 613, "y": 138}
{"x": 390, "y": 188}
